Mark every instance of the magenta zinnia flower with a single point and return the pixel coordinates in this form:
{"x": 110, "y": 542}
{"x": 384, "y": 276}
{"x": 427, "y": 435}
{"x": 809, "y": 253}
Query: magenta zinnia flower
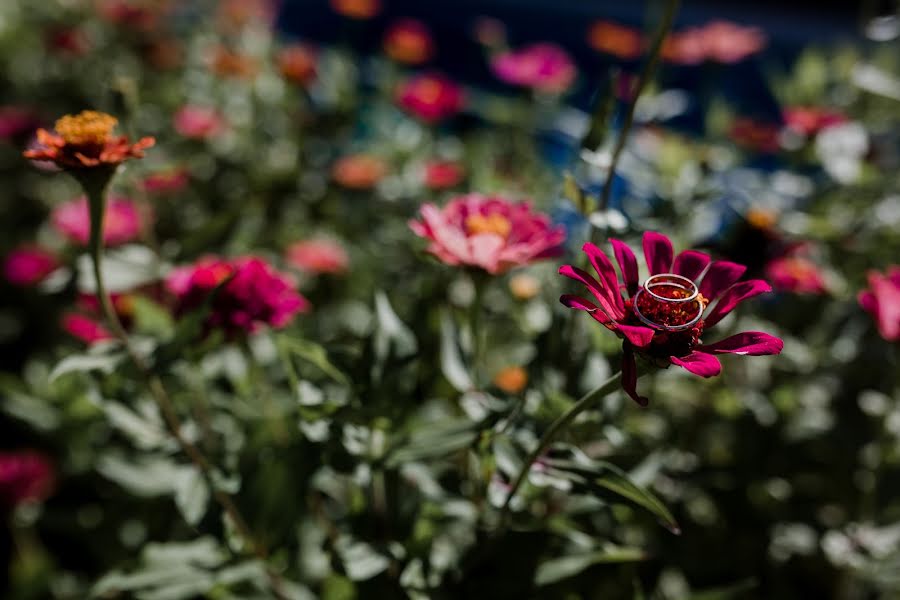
{"x": 123, "y": 222}
{"x": 252, "y": 293}
{"x": 488, "y": 232}
{"x": 431, "y": 97}
{"x": 544, "y": 66}
{"x": 882, "y": 301}
{"x": 28, "y": 265}
{"x": 796, "y": 274}
{"x": 25, "y": 476}
{"x": 198, "y": 122}
{"x": 665, "y": 318}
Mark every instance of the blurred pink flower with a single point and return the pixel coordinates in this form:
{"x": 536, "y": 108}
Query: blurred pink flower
{"x": 28, "y": 265}
{"x": 166, "y": 182}
{"x": 124, "y": 221}
{"x": 756, "y": 135}
{"x": 796, "y": 274}
{"x": 431, "y": 97}
{"x": 359, "y": 171}
{"x": 810, "y": 120}
{"x": 252, "y": 292}
{"x": 17, "y": 122}
{"x": 717, "y": 41}
{"x": 882, "y": 301}
{"x": 488, "y": 232}
{"x": 317, "y": 256}
{"x": 443, "y": 174}
{"x": 87, "y": 329}
{"x": 409, "y": 41}
{"x": 543, "y": 66}
{"x": 198, "y": 122}
{"x": 664, "y": 319}
{"x": 25, "y": 476}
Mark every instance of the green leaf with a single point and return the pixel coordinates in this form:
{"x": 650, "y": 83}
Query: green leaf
{"x": 147, "y": 477}
{"x": 730, "y": 592}
{"x": 564, "y": 567}
{"x": 151, "y": 318}
{"x": 435, "y": 440}
{"x": 191, "y": 494}
{"x": 451, "y": 363}
{"x": 82, "y": 363}
{"x": 312, "y": 353}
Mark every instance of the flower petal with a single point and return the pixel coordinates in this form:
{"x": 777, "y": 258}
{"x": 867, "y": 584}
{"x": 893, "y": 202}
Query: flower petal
{"x": 720, "y": 275}
{"x": 699, "y": 363}
{"x": 627, "y": 265}
{"x": 637, "y": 335}
{"x": 607, "y": 272}
{"x": 657, "y": 252}
{"x": 629, "y": 376}
{"x": 750, "y": 343}
{"x": 734, "y": 296}
{"x": 690, "y": 264}
{"x": 596, "y": 288}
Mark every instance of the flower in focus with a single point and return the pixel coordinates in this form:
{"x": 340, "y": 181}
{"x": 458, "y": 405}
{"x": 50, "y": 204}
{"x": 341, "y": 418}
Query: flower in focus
{"x": 431, "y": 97}
{"x": 488, "y": 232}
{"x": 442, "y": 174}
{"x": 796, "y": 274}
{"x": 25, "y": 476}
{"x": 85, "y": 141}
{"x": 665, "y": 319}
{"x": 17, "y": 122}
{"x": 123, "y": 222}
{"x": 617, "y": 40}
{"x": 408, "y": 41}
{"x": 317, "y": 256}
{"x": 755, "y": 135}
{"x": 810, "y": 120}
{"x": 543, "y": 66}
{"x": 359, "y": 171}
{"x": 297, "y": 63}
{"x": 511, "y": 380}
{"x": 882, "y": 301}
{"x": 198, "y": 122}
{"x": 166, "y": 182}
{"x": 250, "y": 293}
{"x": 356, "y": 9}
{"x": 28, "y": 265}
{"x": 226, "y": 63}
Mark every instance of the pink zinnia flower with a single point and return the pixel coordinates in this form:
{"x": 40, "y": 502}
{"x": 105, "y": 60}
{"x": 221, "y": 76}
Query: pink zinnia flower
{"x": 251, "y": 292}
{"x": 810, "y": 120}
{"x": 544, "y": 66}
{"x": 123, "y": 222}
{"x": 87, "y": 329}
{"x": 25, "y": 476}
{"x": 727, "y": 42}
{"x": 198, "y": 122}
{"x": 409, "y": 41}
{"x": 17, "y": 122}
{"x": 665, "y": 318}
{"x": 28, "y": 265}
{"x": 166, "y": 182}
{"x": 796, "y": 274}
{"x": 431, "y": 97}
{"x": 317, "y": 256}
{"x": 882, "y": 301}
{"x": 488, "y": 232}
{"x": 442, "y": 174}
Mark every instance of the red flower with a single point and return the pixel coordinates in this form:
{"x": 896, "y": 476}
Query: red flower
{"x": 431, "y": 97}
{"x": 796, "y": 274}
{"x": 251, "y": 293}
{"x": 544, "y": 66}
{"x": 718, "y": 41}
{"x": 755, "y": 135}
{"x": 810, "y": 120}
{"x": 356, "y": 9}
{"x": 28, "y": 265}
{"x": 665, "y": 318}
{"x": 359, "y": 171}
{"x": 198, "y": 122}
{"x": 443, "y": 174}
{"x": 124, "y": 221}
{"x": 882, "y": 301}
{"x": 408, "y": 41}
{"x": 488, "y": 232}
{"x": 317, "y": 256}
{"x": 166, "y": 182}
{"x": 87, "y": 329}
{"x": 25, "y": 476}
{"x": 297, "y": 63}
{"x": 618, "y": 40}
{"x": 85, "y": 141}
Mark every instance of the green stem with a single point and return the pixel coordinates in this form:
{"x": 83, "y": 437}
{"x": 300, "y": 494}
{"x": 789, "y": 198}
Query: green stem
{"x": 586, "y": 401}
{"x": 95, "y": 188}
{"x": 645, "y": 75}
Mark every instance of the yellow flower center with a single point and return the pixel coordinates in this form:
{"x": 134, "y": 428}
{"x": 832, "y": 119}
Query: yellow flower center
{"x": 88, "y": 127}
{"x": 494, "y": 223}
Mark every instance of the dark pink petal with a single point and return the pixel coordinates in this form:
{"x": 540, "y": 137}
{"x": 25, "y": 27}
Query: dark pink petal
{"x": 607, "y": 272}
{"x": 577, "y": 302}
{"x": 719, "y": 277}
{"x": 887, "y": 306}
{"x": 637, "y": 335}
{"x": 596, "y": 288}
{"x": 657, "y": 252}
{"x": 690, "y": 264}
{"x": 627, "y": 265}
{"x": 629, "y": 375}
{"x": 699, "y": 363}
{"x": 734, "y": 296}
{"x": 750, "y": 343}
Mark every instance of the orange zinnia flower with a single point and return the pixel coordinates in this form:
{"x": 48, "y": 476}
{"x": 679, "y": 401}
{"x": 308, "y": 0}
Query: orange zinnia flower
{"x": 86, "y": 141}
{"x": 618, "y": 40}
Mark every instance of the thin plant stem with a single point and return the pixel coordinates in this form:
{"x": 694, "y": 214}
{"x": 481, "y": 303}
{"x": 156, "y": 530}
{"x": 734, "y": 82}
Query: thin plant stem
{"x": 96, "y": 192}
{"x": 644, "y": 77}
